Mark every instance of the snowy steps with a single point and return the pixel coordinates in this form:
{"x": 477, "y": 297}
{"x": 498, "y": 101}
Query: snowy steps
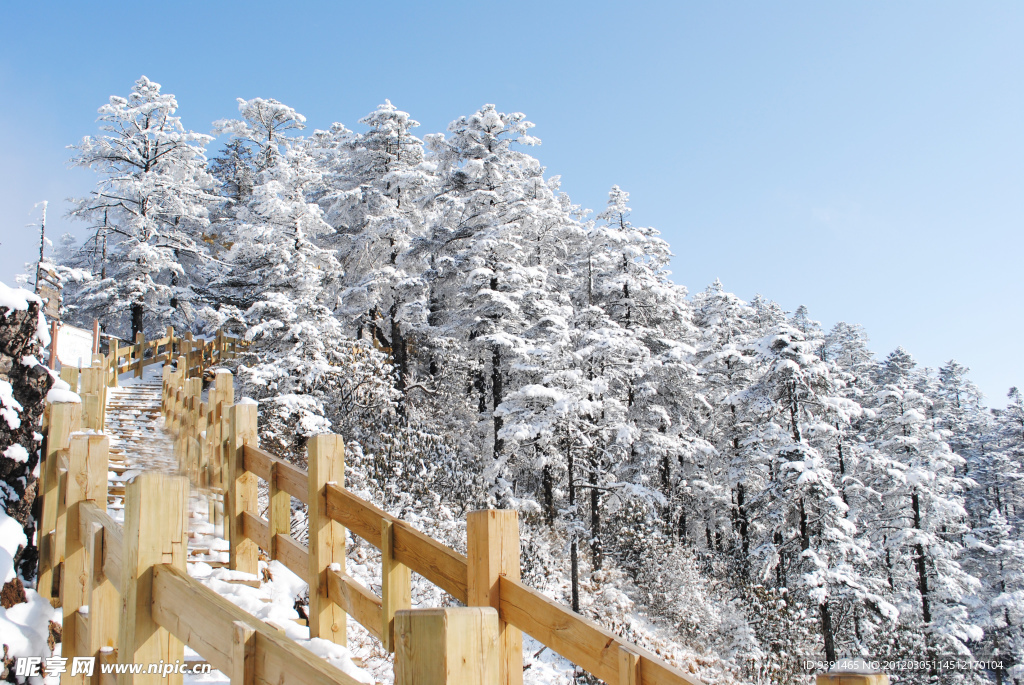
{"x": 138, "y": 442}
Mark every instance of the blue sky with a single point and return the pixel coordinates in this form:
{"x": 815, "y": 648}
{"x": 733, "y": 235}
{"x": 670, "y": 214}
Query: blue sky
{"x": 865, "y": 159}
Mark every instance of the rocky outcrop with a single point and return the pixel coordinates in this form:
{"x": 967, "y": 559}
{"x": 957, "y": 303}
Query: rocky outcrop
{"x": 24, "y": 383}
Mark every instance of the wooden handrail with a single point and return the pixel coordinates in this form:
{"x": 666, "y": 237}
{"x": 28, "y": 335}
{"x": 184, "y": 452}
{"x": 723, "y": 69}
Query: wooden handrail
{"x": 357, "y": 601}
{"x": 577, "y": 638}
{"x": 168, "y": 599}
{"x": 290, "y": 478}
{"x": 441, "y": 565}
{"x": 204, "y": 621}
{"x": 571, "y": 635}
{"x": 112, "y": 539}
{"x": 211, "y": 351}
{"x": 355, "y": 598}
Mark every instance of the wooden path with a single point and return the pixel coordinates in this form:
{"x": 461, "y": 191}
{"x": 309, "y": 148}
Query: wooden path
{"x": 140, "y": 443}
{"x": 137, "y": 440}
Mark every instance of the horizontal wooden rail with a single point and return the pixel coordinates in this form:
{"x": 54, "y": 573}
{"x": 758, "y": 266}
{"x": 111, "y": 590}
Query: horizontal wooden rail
{"x": 290, "y": 478}
{"x": 441, "y": 565}
{"x": 579, "y": 639}
{"x": 113, "y": 539}
{"x": 256, "y": 529}
{"x": 148, "y": 361}
{"x": 204, "y": 621}
{"x": 293, "y": 555}
{"x": 199, "y": 354}
{"x": 356, "y": 599}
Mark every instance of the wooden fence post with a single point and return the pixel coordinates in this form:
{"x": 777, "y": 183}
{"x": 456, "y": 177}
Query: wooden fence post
{"x": 65, "y": 418}
{"x": 221, "y": 397}
{"x": 114, "y": 354}
{"x": 69, "y": 374}
{"x": 168, "y": 346}
{"x": 279, "y": 513}
{"x": 395, "y": 584}
{"x": 87, "y": 482}
{"x": 326, "y": 461}
{"x": 243, "y": 654}
{"x": 629, "y": 667}
{"x": 165, "y": 394}
{"x": 201, "y": 437}
{"x": 155, "y": 532}
{"x": 447, "y": 646}
{"x": 218, "y": 346}
{"x": 140, "y": 351}
{"x": 54, "y": 330}
{"x": 242, "y": 491}
{"x": 206, "y": 448}
{"x": 187, "y": 347}
{"x": 193, "y": 394}
{"x": 492, "y": 538}
{"x": 102, "y": 598}
{"x": 93, "y": 397}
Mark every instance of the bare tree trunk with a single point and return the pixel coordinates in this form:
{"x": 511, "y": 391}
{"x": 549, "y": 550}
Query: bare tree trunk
{"x": 826, "y": 631}
{"x": 574, "y": 566}
{"x": 137, "y": 310}
{"x": 549, "y": 495}
{"x": 741, "y": 510}
{"x": 595, "y": 515}
{"x": 399, "y": 357}
{"x": 496, "y": 397}
{"x": 805, "y": 536}
{"x": 574, "y": 570}
{"x": 919, "y": 562}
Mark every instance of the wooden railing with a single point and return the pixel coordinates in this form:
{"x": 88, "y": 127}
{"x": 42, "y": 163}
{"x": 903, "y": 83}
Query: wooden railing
{"x": 199, "y": 354}
{"x": 219, "y": 445}
{"x": 91, "y": 383}
{"x": 126, "y": 597}
{"x": 216, "y": 441}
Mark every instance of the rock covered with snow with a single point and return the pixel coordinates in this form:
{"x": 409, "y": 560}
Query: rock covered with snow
{"x": 24, "y": 383}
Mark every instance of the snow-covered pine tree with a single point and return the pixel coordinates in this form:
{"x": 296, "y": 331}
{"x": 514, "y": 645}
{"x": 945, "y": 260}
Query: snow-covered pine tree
{"x": 812, "y": 541}
{"x": 281, "y": 289}
{"x": 146, "y": 217}
{"x": 478, "y": 272}
{"x": 728, "y": 475}
{"x": 997, "y": 559}
{"x": 376, "y": 184}
{"x": 925, "y": 510}
{"x": 235, "y": 169}
{"x": 1001, "y": 473}
{"x": 263, "y": 128}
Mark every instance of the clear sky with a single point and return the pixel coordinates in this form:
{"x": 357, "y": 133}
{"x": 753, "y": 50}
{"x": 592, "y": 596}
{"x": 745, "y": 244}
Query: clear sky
{"x": 865, "y": 159}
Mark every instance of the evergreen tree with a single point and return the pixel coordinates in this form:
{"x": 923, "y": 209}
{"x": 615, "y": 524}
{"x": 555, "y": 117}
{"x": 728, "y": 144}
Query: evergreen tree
{"x": 926, "y": 511}
{"x": 146, "y": 215}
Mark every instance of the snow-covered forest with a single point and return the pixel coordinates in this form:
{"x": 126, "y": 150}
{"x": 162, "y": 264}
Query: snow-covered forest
{"x": 699, "y": 473}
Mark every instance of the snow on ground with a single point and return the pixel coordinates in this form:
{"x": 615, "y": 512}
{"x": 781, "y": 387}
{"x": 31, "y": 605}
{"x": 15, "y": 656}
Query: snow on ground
{"x": 273, "y": 601}
{"x": 24, "y": 627}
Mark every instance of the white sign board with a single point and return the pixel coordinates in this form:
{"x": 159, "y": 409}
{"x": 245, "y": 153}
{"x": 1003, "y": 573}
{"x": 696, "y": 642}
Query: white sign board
{"x": 74, "y": 346}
